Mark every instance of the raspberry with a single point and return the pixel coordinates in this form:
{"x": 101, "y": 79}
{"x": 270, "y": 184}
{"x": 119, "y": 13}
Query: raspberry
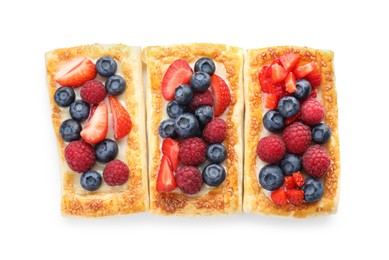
{"x": 201, "y": 99}
{"x": 215, "y": 131}
{"x": 316, "y": 161}
{"x": 192, "y": 151}
{"x": 297, "y": 137}
{"x": 289, "y": 183}
{"x": 312, "y": 112}
{"x": 116, "y": 173}
{"x": 80, "y": 156}
{"x": 271, "y": 149}
{"x": 93, "y": 92}
{"x": 189, "y": 179}
{"x": 295, "y": 197}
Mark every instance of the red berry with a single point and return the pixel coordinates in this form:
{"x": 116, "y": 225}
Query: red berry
{"x": 297, "y": 137}
{"x": 80, "y": 156}
{"x": 312, "y": 112}
{"x": 215, "y": 131}
{"x": 314, "y": 78}
{"x": 298, "y": 179}
{"x": 121, "y": 118}
{"x": 316, "y": 161}
{"x": 271, "y": 149}
{"x": 192, "y": 151}
{"x": 93, "y": 92}
{"x": 289, "y": 183}
{"x": 201, "y": 99}
{"x": 165, "y": 180}
{"x": 116, "y": 173}
{"x": 170, "y": 148}
{"x": 271, "y": 101}
{"x": 278, "y": 73}
{"x": 289, "y": 60}
{"x": 290, "y": 83}
{"x": 265, "y": 81}
{"x": 303, "y": 70}
{"x": 79, "y": 74}
{"x": 290, "y": 120}
{"x": 97, "y": 127}
{"x": 222, "y": 94}
{"x": 179, "y": 72}
{"x": 279, "y": 197}
{"x": 189, "y": 180}
{"x": 295, "y": 197}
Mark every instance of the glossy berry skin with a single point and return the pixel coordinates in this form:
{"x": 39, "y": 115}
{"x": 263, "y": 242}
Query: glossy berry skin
{"x": 106, "y": 150}
{"x": 174, "y": 109}
{"x": 115, "y": 85}
{"x": 313, "y": 190}
{"x": 205, "y": 65}
{"x": 79, "y": 110}
{"x": 200, "y": 81}
{"x": 183, "y": 94}
{"x": 64, "y": 96}
{"x": 303, "y": 89}
{"x": 291, "y": 164}
{"x": 186, "y": 125}
{"x": 271, "y": 177}
{"x": 321, "y": 133}
{"x": 166, "y": 128}
{"x": 204, "y": 114}
{"x": 214, "y": 174}
{"x": 273, "y": 121}
{"x": 91, "y": 180}
{"x": 106, "y": 66}
{"x": 216, "y": 153}
{"x": 288, "y": 106}
{"x": 70, "y": 130}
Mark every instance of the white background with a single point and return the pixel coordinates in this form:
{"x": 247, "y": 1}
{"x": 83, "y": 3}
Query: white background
{"x": 30, "y": 222}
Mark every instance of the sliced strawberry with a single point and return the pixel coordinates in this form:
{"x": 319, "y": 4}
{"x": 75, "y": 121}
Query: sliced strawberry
{"x": 290, "y": 120}
{"x": 303, "y": 70}
{"x": 179, "y": 72}
{"x": 92, "y": 110}
{"x": 278, "y": 73}
{"x": 97, "y": 127}
{"x": 271, "y": 101}
{"x": 121, "y": 119}
{"x": 278, "y": 197}
{"x": 79, "y": 74}
{"x": 289, "y": 183}
{"x": 298, "y": 179}
{"x": 170, "y": 148}
{"x": 289, "y": 60}
{"x": 165, "y": 180}
{"x": 295, "y": 197}
{"x": 222, "y": 95}
{"x": 290, "y": 83}
{"x": 265, "y": 81}
{"x": 314, "y": 78}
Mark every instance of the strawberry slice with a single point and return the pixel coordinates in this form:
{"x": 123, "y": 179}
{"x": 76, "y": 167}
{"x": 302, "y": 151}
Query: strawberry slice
{"x": 271, "y": 101}
{"x": 298, "y": 179}
{"x": 279, "y": 197}
{"x": 221, "y": 93}
{"x": 97, "y": 127}
{"x": 79, "y": 74}
{"x": 289, "y": 183}
{"x": 166, "y": 181}
{"x": 290, "y": 83}
{"x": 295, "y": 197}
{"x": 278, "y": 73}
{"x": 179, "y": 72}
{"x": 303, "y": 70}
{"x": 265, "y": 81}
{"x": 290, "y": 120}
{"x": 314, "y": 78}
{"x": 92, "y": 110}
{"x": 170, "y": 148}
{"x": 289, "y": 60}
{"x": 121, "y": 119}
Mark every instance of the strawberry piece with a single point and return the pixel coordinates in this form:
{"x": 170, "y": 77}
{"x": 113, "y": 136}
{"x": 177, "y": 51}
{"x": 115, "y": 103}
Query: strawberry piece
{"x": 121, "y": 119}
{"x": 92, "y": 110}
{"x": 278, "y": 73}
{"x": 295, "y": 197}
{"x": 278, "y": 197}
{"x": 298, "y": 179}
{"x": 290, "y": 83}
{"x": 165, "y": 180}
{"x": 289, "y": 60}
{"x": 222, "y": 95}
{"x": 170, "y": 148}
{"x": 290, "y": 120}
{"x": 97, "y": 127}
{"x": 314, "y": 78}
{"x": 79, "y": 74}
{"x": 179, "y": 72}
{"x": 265, "y": 81}
{"x": 271, "y": 101}
{"x": 289, "y": 183}
{"x": 303, "y": 70}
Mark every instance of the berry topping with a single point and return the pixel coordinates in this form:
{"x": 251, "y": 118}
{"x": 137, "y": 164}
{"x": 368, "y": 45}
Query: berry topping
{"x": 270, "y": 177}
{"x": 106, "y": 150}
{"x": 170, "y": 148}
{"x": 165, "y": 180}
{"x": 278, "y": 73}
{"x": 290, "y": 83}
{"x": 312, "y": 112}
{"x": 216, "y": 153}
{"x": 321, "y": 133}
{"x": 303, "y": 70}
{"x": 271, "y": 101}
{"x": 316, "y": 161}
{"x": 295, "y": 197}
{"x": 271, "y": 149}
{"x": 189, "y": 180}
{"x": 80, "y": 156}
{"x": 115, "y": 85}
{"x": 91, "y": 180}
{"x": 222, "y": 94}
{"x": 79, "y": 74}
{"x": 313, "y": 190}
{"x": 289, "y": 60}
{"x": 201, "y": 99}
{"x": 205, "y": 65}
{"x": 204, "y": 114}
{"x": 314, "y": 78}
{"x": 79, "y": 110}
{"x": 290, "y": 120}
{"x": 97, "y": 127}
{"x": 298, "y": 179}
{"x": 93, "y": 92}
{"x": 290, "y": 163}
{"x": 297, "y": 137}
{"x": 186, "y": 125}
{"x": 121, "y": 118}
{"x": 70, "y": 130}
{"x": 116, "y": 173}
{"x": 288, "y": 106}
{"x": 174, "y": 109}
{"x": 178, "y": 73}
{"x": 166, "y": 128}
{"x": 215, "y": 131}
{"x": 273, "y": 121}
{"x": 64, "y": 96}
{"x": 303, "y": 89}
{"x": 200, "y": 81}
{"x": 106, "y": 66}
{"x": 279, "y": 197}
{"x": 289, "y": 183}
{"x": 265, "y": 81}
{"x": 214, "y": 174}
{"x": 192, "y": 151}
{"x": 183, "y": 94}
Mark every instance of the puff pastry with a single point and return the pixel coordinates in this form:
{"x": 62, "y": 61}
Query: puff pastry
{"x": 255, "y": 200}
{"x": 226, "y": 198}
{"x": 133, "y": 197}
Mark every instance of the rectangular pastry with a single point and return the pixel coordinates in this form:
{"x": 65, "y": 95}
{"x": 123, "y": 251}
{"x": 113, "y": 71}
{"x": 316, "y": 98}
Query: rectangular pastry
{"x": 194, "y": 121}
{"x": 292, "y": 163}
{"x": 97, "y": 107}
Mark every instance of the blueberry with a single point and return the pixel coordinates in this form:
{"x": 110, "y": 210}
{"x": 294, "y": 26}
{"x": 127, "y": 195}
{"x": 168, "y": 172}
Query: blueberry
{"x": 186, "y": 125}
{"x": 79, "y": 110}
{"x": 273, "y": 121}
{"x": 214, "y": 174}
{"x": 303, "y": 89}
{"x": 183, "y": 94}
{"x": 290, "y": 164}
{"x": 313, "y": 190}
{"x": 70, "y": 130}
{"x": 204, "y": 114}
{"x": 166, "y": 128}
{"x": 205, "y": 65}
{"x": 200, "y": 81}
{"x": 106, "y": 150}
{"x": 288, "y": 106}
{"x": 115, "y": 85}
{"x": 174, "y": 109}
{"x": 64, "y": 96}
{"x": 321, "y": 133}
{"x": 106, "y": 66}
{"x": 270, "y": 177}
{"x": 216, "y": 153}
{"x": 91, "y": 180}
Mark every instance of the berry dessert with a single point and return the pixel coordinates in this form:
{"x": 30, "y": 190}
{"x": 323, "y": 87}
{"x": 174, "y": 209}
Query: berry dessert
{"x": 292, "y": 151}
{"x": 195, "y": 106}
{"x": 98, "y": 118}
